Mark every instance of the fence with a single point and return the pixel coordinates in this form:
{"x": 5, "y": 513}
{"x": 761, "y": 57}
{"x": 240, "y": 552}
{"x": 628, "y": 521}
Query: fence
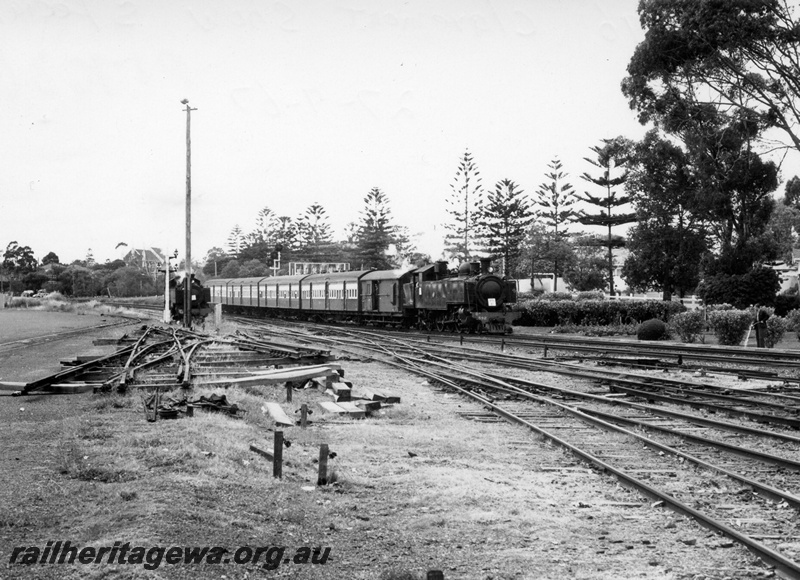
{"x": 691, "y": 302}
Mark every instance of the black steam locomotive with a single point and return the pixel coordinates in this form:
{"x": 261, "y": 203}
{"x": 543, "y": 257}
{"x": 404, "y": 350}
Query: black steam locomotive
{"x": 201, "y": 297}
{"x": 472, "y": 299}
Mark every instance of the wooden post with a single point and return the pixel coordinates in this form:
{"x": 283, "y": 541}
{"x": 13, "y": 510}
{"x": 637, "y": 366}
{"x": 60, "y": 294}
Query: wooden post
{"x": 545, "y": 352}
{"x": 303, "y": 415}
{"x": 461, "y": 339}
{"x": 277, "y": 463}
{"x": 435, "y": 575}
{"x": 289, "y": 388}
{"x": 322, "y": 477}
{"x": 503, "y": 345}
{"x": 187, "y": 295}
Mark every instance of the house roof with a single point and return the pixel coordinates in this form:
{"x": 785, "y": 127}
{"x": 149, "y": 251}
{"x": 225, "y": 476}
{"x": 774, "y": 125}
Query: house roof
{"x": 141, "y": 255}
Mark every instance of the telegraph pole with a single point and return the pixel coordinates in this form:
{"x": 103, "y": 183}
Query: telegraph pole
{"x": 187, "y": 294}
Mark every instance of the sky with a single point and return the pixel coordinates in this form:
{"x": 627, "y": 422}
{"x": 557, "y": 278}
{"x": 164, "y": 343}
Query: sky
{"x": 297, "y": 102}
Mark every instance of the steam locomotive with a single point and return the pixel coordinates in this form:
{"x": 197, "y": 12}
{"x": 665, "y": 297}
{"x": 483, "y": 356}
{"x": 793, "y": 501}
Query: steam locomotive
{"x": 201, "y": 296}
{"x": 471, "y": 299}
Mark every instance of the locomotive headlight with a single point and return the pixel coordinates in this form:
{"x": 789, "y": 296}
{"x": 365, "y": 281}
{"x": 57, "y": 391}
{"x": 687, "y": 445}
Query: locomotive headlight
{"x": 491, "y": 270}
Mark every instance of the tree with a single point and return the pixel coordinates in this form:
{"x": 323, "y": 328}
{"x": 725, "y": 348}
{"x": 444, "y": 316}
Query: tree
{"x": 733, "y": 55}
{"x": 79, "y": 281}
{"x": 781, "y": 230}
{"x": 506, "y": 218}
{"x": 235, "y": 241}
{"x": 314, "y": 234}
{"x": 286, "y": 233}
{"x": 735, "y": 191}
{"x": 556, "y": 199}
{"x": 266, "y": 224}
{"x": 253, "y": 268}
{"x": 669, "y": 240}
{"x": 215, "y": 261}
{"x": 614, "y": 154}
{"x": 791, "y": 196}
{"x": 375, "y": 231}
{"x": 18, "y": 260}
{"x": 586, "y": 268}
{"x": 50, "y": 258}
{"x": 231, "y": 269}
{"x": 546, "y": 252}
{"x": 466, "y": 194}
{"x": 129, "y": 281}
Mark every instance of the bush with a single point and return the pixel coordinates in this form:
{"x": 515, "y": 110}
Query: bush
{"x": 652, "y": 329}
{"x": 590, "y": 295}
{"x": 688, "y": 325}
{"x": 776, "y": 328}
{"x": 593, "y": 312}
{"x": 596, "y": 330}
{"x": 730, "y": 326}
{"x": 554, "y": 296}
{"x": 793, "y": 321}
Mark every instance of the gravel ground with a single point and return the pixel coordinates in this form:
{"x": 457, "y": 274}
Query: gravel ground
{"x": 419, "y": 488}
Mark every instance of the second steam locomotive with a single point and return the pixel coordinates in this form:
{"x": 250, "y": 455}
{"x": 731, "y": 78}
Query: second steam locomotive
{"x": 473, "y": 299}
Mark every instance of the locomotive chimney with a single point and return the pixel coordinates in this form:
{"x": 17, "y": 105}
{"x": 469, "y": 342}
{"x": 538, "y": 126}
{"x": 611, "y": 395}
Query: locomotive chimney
{"x": 486, "y": 266}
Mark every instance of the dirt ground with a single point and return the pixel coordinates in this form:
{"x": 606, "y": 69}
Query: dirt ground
{"x": 418, "y": 487}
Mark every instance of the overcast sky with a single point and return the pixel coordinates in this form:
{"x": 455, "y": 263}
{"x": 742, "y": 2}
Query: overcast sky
{"x": 297, "y": 102}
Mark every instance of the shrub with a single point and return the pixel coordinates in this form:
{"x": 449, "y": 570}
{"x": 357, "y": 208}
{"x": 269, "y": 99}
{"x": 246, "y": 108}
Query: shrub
{"x": 776, "y": 328}
{"x": 688, "y": 325}
{"x": 590, "y": 295}
{"x": 730, "y": 326}
{"x": 652, "y": 329}
{"x": 593, "y": 312}
{"x": 554, "y": 296}
{"x": 793, "y": 321}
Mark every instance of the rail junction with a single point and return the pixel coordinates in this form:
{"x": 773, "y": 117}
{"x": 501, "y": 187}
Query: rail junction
{"x": 716, "y": 441}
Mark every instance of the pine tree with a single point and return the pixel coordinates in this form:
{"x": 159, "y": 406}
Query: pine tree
{"x": 556, "y": 199}
{"x": 375, "y": 231}
{"x": 613, "y": 155}
{"x": 506, "y": 219}
{"x": 467, "y": 193}
{"x": 314, "y": 234}
{"x": 235, "y": 241}
{"x": 266, "y": 224}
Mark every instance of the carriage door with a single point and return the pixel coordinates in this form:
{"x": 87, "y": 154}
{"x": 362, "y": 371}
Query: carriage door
{"x": 327, "y": 299}
{"x": 376, "y": 285}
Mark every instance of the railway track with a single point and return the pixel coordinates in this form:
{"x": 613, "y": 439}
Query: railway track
{"x": 726, "y": 457}
{"x": 726, "y": 475}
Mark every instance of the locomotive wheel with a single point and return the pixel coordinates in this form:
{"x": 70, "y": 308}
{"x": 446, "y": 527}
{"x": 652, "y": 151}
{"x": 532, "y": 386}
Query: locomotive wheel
{"x": 440, "y": 323}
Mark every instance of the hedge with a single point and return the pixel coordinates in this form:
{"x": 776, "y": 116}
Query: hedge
{"x": 593, "y": 312}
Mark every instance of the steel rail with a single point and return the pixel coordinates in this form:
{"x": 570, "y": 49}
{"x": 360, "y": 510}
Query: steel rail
{"x": 771, "y": 557}
{"x": 737, "y": 449}
{"x": 786, "y": 566}
{"x": 628, "y": 385}
{"x": 781, "y": 563}
{"x": 500, "y": 384}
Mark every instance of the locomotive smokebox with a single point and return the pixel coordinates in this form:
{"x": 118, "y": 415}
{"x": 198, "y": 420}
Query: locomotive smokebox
{"x": 486, "y": 266}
